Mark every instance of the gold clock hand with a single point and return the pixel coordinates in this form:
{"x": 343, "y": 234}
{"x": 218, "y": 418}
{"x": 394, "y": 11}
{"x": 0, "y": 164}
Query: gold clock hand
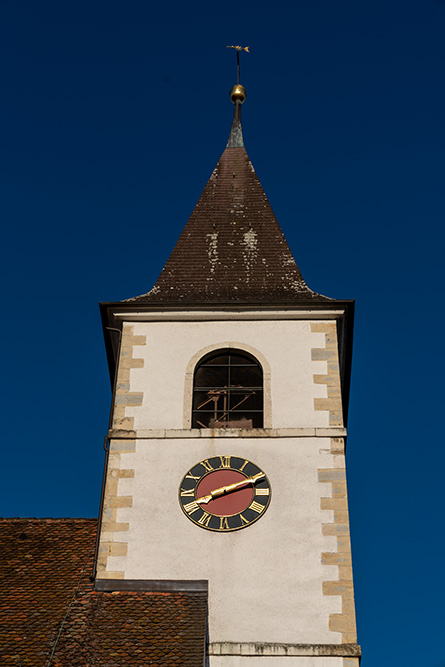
{"x": 204, "y": 500}
{"x": 229, "y": 488}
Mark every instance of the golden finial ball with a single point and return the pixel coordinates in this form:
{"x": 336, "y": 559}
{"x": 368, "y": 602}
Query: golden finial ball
{"x": 238, "y": 93}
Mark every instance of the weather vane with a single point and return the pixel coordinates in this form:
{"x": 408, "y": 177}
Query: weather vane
{"x": 238, "y": 49}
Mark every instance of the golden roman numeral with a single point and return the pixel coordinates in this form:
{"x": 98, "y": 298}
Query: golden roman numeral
{"x": 243, "y": 520}
{"x": 192, "y": 477}
{"x": 262, "y": 492}
{"x": 207, "y": 465}
{"x": 225, "y": 461}
{"x": 205, "y": 519}
{"x": 243, "y": 466}
{"x": 256, "y": 507}
{"x": 191, "y": 507}
{"x": 188, "y": 492}
{"x": 223, "y": 523}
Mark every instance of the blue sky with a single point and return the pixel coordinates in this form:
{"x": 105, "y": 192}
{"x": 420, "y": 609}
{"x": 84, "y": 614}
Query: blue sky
{"x": 113, "y": 117}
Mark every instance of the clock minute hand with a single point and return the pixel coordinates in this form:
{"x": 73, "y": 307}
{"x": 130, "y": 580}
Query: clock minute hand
{"x": 229, "y": 488}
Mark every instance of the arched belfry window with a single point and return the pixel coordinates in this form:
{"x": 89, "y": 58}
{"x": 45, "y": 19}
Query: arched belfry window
{"x": 228, "y": 391}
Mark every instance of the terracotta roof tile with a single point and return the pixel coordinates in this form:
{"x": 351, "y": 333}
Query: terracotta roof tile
{"x": 46, "y": 590}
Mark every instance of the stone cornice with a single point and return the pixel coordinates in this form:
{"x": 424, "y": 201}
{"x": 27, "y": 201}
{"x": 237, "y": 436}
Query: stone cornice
{"x": 219, "y": 315}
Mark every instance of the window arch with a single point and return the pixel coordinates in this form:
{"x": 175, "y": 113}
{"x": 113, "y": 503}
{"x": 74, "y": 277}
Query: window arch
{"x": 228, "y": 391}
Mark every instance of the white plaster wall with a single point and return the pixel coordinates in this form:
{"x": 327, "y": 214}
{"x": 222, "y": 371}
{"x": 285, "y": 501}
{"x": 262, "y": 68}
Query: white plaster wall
{"x": 274, "y": 661}
{"x": 286, "y": 344}
{"x": 265, "y": 581}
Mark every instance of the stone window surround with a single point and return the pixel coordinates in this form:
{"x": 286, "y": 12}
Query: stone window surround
{"x": 190, "y": 371}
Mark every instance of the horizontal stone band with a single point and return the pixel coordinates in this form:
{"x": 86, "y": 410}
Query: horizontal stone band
{"x": 327, "y": 432}
{"x": 268, "y": 649}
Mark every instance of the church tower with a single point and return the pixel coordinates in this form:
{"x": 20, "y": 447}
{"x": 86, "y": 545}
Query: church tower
{"x": 225, "y": 471}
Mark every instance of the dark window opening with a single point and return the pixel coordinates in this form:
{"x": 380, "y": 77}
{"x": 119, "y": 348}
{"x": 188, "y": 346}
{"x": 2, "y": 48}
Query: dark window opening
{"x": 228, "y": 391}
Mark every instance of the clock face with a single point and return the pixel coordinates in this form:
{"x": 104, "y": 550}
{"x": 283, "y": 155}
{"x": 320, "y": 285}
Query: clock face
{"x": 224, "y": 493}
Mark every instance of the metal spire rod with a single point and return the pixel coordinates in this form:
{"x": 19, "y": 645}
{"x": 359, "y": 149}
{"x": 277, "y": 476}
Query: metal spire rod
{"x": 238, "y": 49}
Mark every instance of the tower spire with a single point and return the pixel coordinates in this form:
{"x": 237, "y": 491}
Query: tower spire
{"x": 232, "y": 249}
{"x": 238, "y": 96}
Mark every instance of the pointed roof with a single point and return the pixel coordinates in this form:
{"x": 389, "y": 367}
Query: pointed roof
{"x": 232, "y": 250}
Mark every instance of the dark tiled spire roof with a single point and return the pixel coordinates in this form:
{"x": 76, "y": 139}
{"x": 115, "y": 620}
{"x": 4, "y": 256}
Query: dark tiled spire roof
{"x": 232, "y": 250}
{"x": 51, "y": 614}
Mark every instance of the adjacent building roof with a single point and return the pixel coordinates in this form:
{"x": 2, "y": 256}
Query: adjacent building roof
{"x": 232, "y": 250}
{"x": 50, "y": 614}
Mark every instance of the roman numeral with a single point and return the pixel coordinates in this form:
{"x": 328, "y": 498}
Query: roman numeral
{"x": 207, "y": 465}
{"x": 262, "y": 492}
{"x": 243, "y": 520}
{"x": 205, "y": 519}
{"x": 225, "y": 461}
{"x": 256, "y": 507}
{"x": 192, "y": 477}
{"x": 223, "y": 523}
{"x": 243, "y": 466}
{"x": 188, "y": 493}
{"x": 191, "y": 507}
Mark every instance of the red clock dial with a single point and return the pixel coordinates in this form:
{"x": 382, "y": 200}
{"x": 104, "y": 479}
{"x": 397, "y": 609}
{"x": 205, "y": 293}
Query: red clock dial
{"x": 230, "y": 503}
{"x": 224, "y": 493}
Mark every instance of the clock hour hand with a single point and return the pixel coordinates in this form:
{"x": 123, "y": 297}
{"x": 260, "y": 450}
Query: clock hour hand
{"x": 229, "y": 488}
